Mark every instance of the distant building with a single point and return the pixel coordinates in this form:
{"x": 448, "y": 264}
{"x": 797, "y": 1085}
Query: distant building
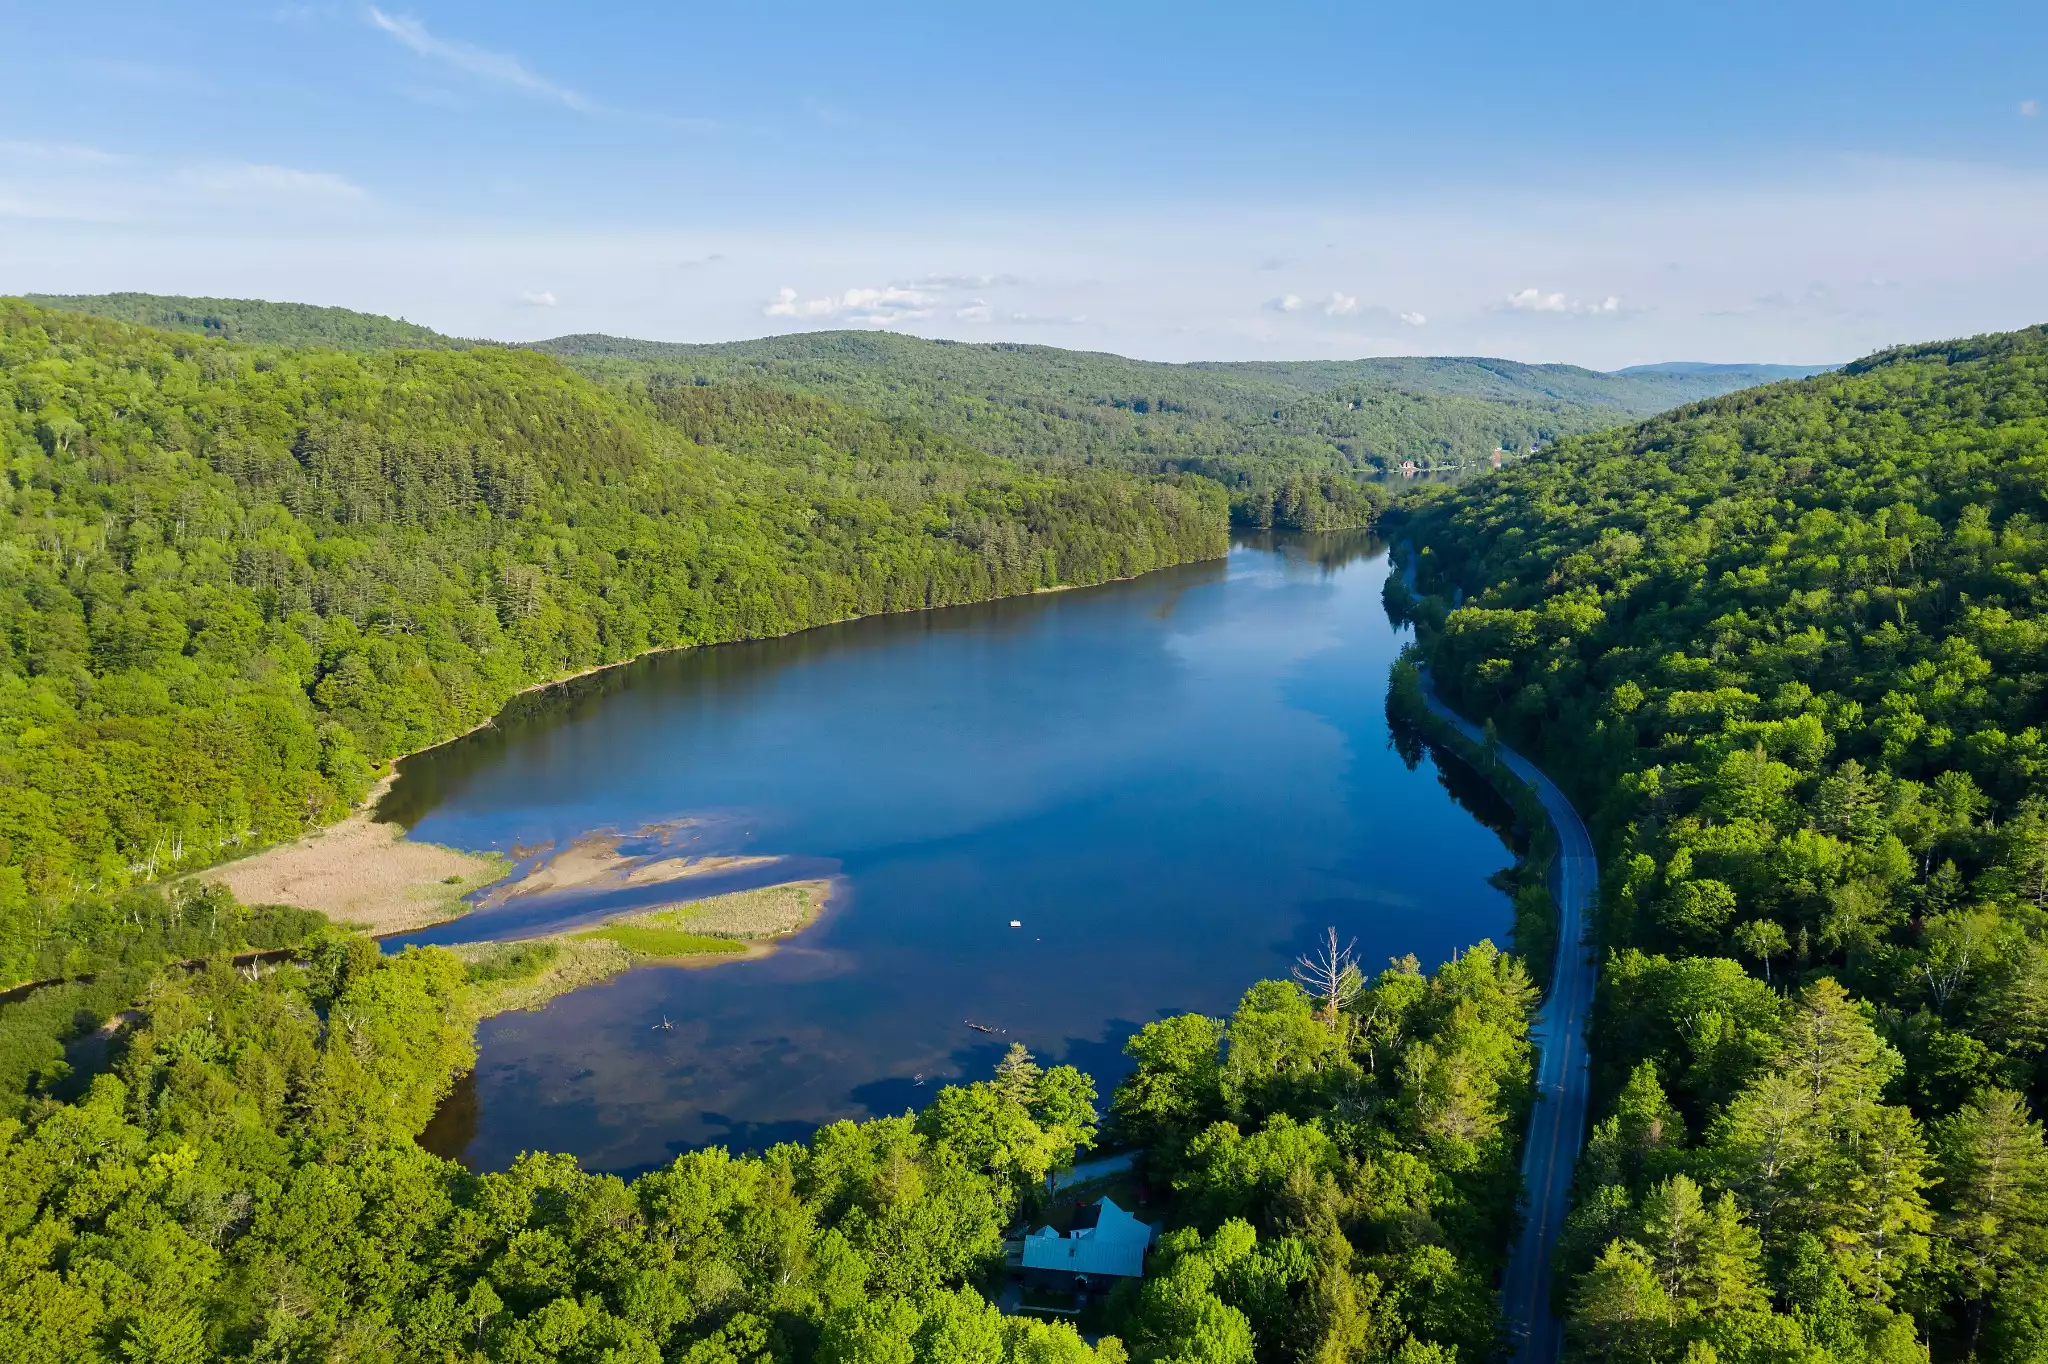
{"x": 1107, "y": 1243}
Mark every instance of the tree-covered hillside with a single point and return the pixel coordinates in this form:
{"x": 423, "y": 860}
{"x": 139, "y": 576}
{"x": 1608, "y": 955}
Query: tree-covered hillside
{"x": 1300, "y": 444}
{"x": 234, "y": 580}
{"x": 257, "y": 321}
{"x": 1788, "y": 646}
{"x": 1290, "y": 439}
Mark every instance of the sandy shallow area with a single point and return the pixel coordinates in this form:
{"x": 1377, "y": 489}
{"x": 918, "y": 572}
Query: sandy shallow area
{"x": 595, "y": 862}
{"x": 364, "y": 873}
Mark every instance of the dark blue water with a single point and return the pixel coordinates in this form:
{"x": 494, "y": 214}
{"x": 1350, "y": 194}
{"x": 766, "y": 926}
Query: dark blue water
{"x": 1173, "y": 783}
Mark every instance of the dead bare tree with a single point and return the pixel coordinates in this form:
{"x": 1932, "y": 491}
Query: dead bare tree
{"x": 1331, "y": 974}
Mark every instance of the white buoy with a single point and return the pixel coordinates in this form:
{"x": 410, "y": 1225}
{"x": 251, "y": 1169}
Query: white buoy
{"x": 1016, "y": 923}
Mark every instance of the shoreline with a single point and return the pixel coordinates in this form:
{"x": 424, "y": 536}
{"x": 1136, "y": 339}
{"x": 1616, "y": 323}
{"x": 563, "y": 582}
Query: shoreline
{"x": 365, "y": 811}
{"x": 582, "y": 957}
{"x": 391, "y": 774}
{"x": 363, "y": 873}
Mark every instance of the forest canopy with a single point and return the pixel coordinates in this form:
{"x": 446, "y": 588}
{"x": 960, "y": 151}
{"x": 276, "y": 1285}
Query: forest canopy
{"x": 216, "y": 1159}
{"x": 1301, "y": 445}
{"x": 1787, "y": 646}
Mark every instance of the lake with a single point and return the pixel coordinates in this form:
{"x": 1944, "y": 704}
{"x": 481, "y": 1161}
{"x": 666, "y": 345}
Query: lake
{"x": 1171, "y": 785}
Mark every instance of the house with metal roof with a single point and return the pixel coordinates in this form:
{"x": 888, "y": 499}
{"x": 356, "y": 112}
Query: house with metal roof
{"x": 1106, "y": 1243}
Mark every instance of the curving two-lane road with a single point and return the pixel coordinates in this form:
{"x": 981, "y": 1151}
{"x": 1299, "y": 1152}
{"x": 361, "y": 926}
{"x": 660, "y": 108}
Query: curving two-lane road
{"x": 1558, "y": 1124}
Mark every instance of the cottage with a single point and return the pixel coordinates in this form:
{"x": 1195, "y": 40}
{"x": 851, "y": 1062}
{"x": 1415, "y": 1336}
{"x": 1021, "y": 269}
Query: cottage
{"x": 1107, "y": 1243}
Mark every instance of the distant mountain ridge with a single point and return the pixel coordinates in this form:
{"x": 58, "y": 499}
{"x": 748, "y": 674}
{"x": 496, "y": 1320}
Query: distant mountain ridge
{"x": 262, "y": 322}
{"x": 1638, "y": 390}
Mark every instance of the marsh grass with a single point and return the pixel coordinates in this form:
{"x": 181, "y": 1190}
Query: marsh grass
{"x": 769, "y": 912}
{"x": 645, "y": 940}
{"x": 506, "y": 976}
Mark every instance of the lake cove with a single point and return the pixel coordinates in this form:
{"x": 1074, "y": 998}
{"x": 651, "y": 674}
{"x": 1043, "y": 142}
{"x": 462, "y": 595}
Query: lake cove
{"x": 1171, "y": 786}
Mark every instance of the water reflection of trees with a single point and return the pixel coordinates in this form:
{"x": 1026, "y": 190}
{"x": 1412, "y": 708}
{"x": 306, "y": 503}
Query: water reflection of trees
{"x": 710, "y": 672}
{"x": 453, "y": 1127}
{"x": 1472, "y": 792}
{"x": 1325, "y": 551}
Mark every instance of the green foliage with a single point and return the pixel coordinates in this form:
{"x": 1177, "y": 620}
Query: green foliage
{"x": 1290, "y": 440}
{"x": 234, "y": 581}
{"x": 646, "y": 941}
{"x": 239, "y": 1181}
{"x": 1790, "y": 646}
{"x": 227, "y": 1170}
{"x": 256, "y": 321}
{"x": 1347, "y": 1182}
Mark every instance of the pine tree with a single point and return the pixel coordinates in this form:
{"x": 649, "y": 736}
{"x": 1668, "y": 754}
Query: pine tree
{"x": 1995, "y": 1185}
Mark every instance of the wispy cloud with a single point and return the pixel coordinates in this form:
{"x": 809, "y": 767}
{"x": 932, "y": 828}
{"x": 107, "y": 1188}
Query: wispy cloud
{"x": 1534, "y": 300}
{"x": 498, "y": 68}
{"x": 1414, "y": 319}
{"x": 57, "y": 153}
{"x": 538, "y": 298}
{"x": 2029, "y": 108}
{"x": 1341, "y": 305}
{"x": 1286, "y": 303}
{"x": 274, "y": 182}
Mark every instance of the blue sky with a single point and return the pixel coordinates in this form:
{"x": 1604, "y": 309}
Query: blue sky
{"x": 1605, "y": 184}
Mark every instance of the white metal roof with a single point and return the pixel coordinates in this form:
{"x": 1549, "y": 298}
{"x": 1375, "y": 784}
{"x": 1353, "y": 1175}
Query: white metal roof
{"x": 1115, "y": 1245}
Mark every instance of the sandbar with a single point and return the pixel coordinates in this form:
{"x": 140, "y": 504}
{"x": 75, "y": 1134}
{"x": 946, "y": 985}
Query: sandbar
{"x": 594, "y": 861}
{"x": 361, "y": 872}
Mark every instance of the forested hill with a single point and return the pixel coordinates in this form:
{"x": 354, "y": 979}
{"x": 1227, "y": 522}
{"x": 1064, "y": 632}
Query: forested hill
{"x": 1247, "y": 387}
{"x": 1789, "y": 646}
{"x": 1291, "y": 440}
{"x": 257, "y": 321}
{"x": 234, "y": 580}
{"x": 1298, "y": 444}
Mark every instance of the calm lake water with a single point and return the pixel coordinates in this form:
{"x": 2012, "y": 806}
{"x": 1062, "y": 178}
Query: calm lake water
{"x": 1173, "y": 784}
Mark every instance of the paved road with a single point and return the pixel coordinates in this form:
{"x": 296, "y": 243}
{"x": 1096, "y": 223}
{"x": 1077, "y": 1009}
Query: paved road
{"x": 1558, "y": 1125}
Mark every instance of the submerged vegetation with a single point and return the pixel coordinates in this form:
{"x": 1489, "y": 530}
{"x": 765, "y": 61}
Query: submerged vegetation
{"x": 1787, "y": 646}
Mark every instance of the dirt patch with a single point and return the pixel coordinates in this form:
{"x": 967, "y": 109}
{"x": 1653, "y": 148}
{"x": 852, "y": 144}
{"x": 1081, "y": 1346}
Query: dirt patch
{"x": 361, "y": 872}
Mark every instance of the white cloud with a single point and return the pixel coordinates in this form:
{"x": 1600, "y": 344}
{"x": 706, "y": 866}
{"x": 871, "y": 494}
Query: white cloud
{"x": 1286, "y": 303}
{"x": 1414, "y": 319}
{"x": 1341, "y": 305}
{"x": 272, "y": 182}
{"x": 2028, "y": 108}
{"x": 871, "y": 307}
{"x": 976, "y": 311}
{"x": 1534, "y": 300}
{"x": 538, "y": 298}
{"x": 499, "y": 68}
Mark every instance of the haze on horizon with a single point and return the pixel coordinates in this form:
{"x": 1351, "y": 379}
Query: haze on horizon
{"x": 1608, "y": 187}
